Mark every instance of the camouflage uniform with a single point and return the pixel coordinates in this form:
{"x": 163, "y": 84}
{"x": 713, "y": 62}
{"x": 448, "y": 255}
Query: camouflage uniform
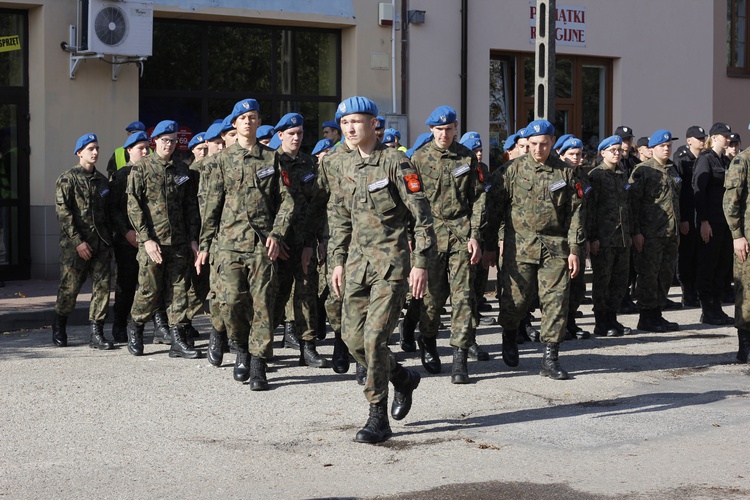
{"x": 368, "y": 222}
{"x": 578, "y": 284}
{"x": 298, "y": 174}
{"x": 81, "y": 203}
{"x": 481, "y": 275}
{"x": 737, "y": 214}
{"x": 608, "y": 222}
{"x": 125, "y": 253}
{"x": 655, "y": 209}
{"x": 162, "y": 207}
{"x": 199, "y": 283}
{"x": 245, "y": 203}
{"x": 454, "y": 188}
{"x": 539, "y": 221}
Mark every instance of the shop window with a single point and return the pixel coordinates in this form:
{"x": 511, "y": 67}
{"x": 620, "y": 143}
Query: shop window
{"x": 738, "y": 63}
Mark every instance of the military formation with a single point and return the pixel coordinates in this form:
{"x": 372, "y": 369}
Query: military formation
{"x": 264, "y": 234}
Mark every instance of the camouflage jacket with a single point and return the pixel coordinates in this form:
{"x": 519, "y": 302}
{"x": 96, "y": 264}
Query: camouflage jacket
{"x": 328, "y": 185}
{"x": 655, "y": 199}
{"x": 454, "y": 186}
{"x": 81, "y": 203}
{"x": 608, "y": 211}
{"x": 736, "y": 206}
{"x": 299, "y": 176}
{"x": 245, "y": 199}
{"x": 538, "y": 206}
{"x": 162, "y": 203}
{"x": 583, "y": 190}
{"x": 118, "y": 205}
{"x": 368, "y": 216}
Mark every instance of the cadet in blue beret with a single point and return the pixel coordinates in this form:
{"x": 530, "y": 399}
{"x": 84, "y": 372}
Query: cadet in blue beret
{"x": 469, "y": 135}
{"x": 332, "y": 130}
{"x": 510, "y": 142}
{"x": 164, "y": 127}
{"x": 389, "y": 140}
{"x": 275, "y": 142}
{"x": 228, "y": 132}
{"x": 120, "y": 157}
{"x": 81, "y": 201}
{"x": 264, "y": 134}
{"x": 198, "y": 146}
{"x": 321, "y": 148}
{"x": 560, "y": 141}
{"x": 421, "y": 140}
{"x": 609, "y": 141}
{"x": 393, "y": 131}
{"x": 135, "y": 127}
{"x": 380, "y": 128}
{"x": 213, "y": 138}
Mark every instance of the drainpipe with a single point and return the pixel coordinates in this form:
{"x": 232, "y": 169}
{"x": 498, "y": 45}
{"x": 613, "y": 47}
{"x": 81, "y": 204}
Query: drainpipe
{"x": 464, "y": 63}
{"x": 405, "y": 57}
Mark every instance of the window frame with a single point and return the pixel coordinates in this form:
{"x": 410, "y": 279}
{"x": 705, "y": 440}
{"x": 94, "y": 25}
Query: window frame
{"x": 737, "y": 71}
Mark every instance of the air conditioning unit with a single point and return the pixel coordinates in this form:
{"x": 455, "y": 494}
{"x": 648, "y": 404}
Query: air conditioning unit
{"x": 114, "y": 27}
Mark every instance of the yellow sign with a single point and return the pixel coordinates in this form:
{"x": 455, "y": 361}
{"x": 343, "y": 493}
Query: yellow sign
{"x": 8, "y": 43}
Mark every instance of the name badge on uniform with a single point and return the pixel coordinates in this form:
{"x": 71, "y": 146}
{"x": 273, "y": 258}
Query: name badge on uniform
{"x": 263, "y": 173}
{"x": 487, "y": 188}
{"x": 628, "y": 186}
{"x": 458, "y": 172}
{"x": 377, "y": 185}
{"x": 104, "y": 192}
{"x": 182, "y": 180}
{"x": 678, "y": 179}
{"x": 308, "y": 177}
{"x": 556, "y": 186}
{"x": 586, "y": 191}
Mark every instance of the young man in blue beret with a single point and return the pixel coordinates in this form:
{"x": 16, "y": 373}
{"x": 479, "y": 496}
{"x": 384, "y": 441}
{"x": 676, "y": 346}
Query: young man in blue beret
{"x": 332, "y": 131}
{"x": 120, "y": 157}
{"x": 81, "y": 204}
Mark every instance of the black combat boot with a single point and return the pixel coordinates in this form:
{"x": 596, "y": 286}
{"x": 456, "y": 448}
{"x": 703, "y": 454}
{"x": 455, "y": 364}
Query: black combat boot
{"x": 689, "y": 296}
{"x": 649, "y": 321}
{"x": 602, "y": 325}
{"x": 135, "y": 339}
{"x": 59, "y": 335}
{"x": 191, "y": 332}
{"x": 242, "y": 364}
{"x": 669, "y": 326}
{"x": 360, "y": 374}
{"x": 476, "y": 352}
{"x": 613, "y": 323}
{"x": 527, "y": 331}
{"x": 428, "y": 354}
{"x": 120, "y": 330}
{"x": 309, "y": 356}
{"x": 719, "y": 312}
{"x": 510, "y": 348}
{"x": 550, "y": 365}
{"x": 180, "y": 347}
{"x": 628, "y": 306}
{"x": 406, "y": 329}
{"x": 404, "y": 382}
{"x": 216, "y": 342}
{"x": 340, "y": 360}
{"x": 377, "y": 429}
{"x": 573, "y": 331}
{"x": 743, "y": 354}
{"x": 708, "y": 313}
{"x": 258, "y": 380}
{"x": 98, "y": 341}
{"x": 290, "y": 336}
{"x": 460, "y": 371}
{"x": 161, "y": 328}
{"x": 321, "y": 330}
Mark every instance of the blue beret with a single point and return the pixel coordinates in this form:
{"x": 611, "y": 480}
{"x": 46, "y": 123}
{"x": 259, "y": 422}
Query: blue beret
{"x": 275, "y": 142}
{"x": 442, "y": 115}
{"x": 135, "y": 138}
{"x": 84, "y": 140}
{"x": 473, "y": 144}
{"x": 394, "y": 132}
{"x": 354, "y": 105}
{"x": 135, "y": 126}
{"x": 164, "y": 127}
{"x": 213, "y": 132}
{"x": 322, "y": 145}
{"x": 511, "y": 141}
{"x": 422, "y": 139}
{"x": 289, "y": 120}
{"x": 242, "y": 107}
{"x": 561, "y": 140}
{"x": 197, "y": 139}
{"x": 539, "y": 127}
{"x": 226, "y": 124}
{"x": 388, "y": 138}
{"x": 331, "y": 124}
{"x": 660, "y": 137}
{"x": 522, "y": 133}
{"x": 571, "y": 143}
{"x": 381, "y": 122}
{"x": 264, "y": 132}
{"x": 609, "y": 141}
{"x": 469, "y": 135}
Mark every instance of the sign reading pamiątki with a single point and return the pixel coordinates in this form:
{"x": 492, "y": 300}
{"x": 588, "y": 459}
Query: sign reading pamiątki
{"x": 570, "y": 26}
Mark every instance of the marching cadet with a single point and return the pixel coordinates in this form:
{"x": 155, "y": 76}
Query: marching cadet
{"x": 454, "y": 187}
{"x": 628, "y": 161}
{"x": 655, "y": 208}
{"x": 300, "y": 269}
{"x": 332, "y": 131}
{"x": 246, "y": 214}
{"x": 213, "y": 138}
{"x": 608, "y": 231}
{"x": 163, "y": 210}
{"x": 81, "y": 204}
{"x": 368, "y": 220}
{"x": 737, "y": 214}
{"x": 199, "y": 148}
{"x": 120, "y": 157}
{"x": 541, "y": 233}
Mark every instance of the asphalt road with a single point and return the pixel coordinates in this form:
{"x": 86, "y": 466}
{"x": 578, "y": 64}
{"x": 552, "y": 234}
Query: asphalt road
{"x": 644, "y": 416}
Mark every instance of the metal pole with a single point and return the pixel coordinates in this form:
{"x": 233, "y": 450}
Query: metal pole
{"x": 544, "y": 79}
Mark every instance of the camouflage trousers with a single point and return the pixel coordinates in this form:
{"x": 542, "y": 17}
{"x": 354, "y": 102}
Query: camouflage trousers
{"x": 199, "y": 287}
{"x": 450, "y": 272}
{"x": 610, "y": 279}
{"x": 578, "y": 285}
{"x": 742, "y": 294}
{"x": 655, "y": 267}
{"x": 290, "y": 278}
{"x": 520, "y": 282}
{"x": 249, "y": 283}
{"x": 370, "y": 313}
{"x": 333, "y": 304}
{"x": 164, "y": 283}
{"x": 126, "y": 257}
{"x": 73, "y": 272}
{"x": 216, "y": 305}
